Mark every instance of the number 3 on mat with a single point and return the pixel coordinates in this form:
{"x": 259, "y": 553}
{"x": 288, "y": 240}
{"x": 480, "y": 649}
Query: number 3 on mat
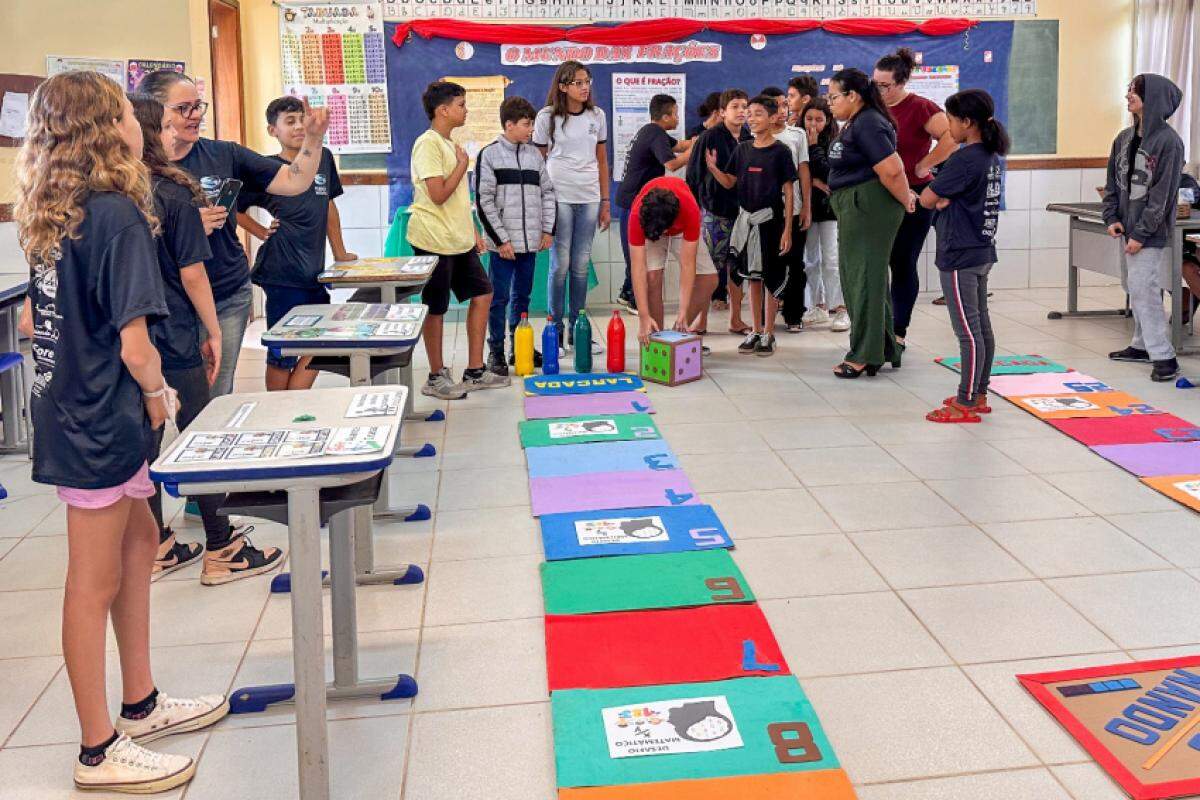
{"x": 796, "y": 749}
{"x": 729, "y": 585}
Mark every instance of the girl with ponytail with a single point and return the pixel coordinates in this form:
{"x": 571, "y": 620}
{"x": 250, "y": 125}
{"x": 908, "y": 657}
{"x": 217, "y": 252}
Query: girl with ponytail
{"x": 966, "y": 195}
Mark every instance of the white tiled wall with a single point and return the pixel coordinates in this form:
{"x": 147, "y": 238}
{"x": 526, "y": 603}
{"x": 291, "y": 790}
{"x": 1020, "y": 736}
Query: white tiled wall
{"x": 1032, "y": 243}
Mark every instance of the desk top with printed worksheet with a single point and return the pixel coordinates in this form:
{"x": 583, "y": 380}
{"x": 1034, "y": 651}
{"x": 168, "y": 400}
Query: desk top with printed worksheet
{"x": 411, "y": 269}
{"x": 348, "y": 326}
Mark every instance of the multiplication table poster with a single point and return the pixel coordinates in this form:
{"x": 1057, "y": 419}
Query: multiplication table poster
{"x": 333, "y": 55}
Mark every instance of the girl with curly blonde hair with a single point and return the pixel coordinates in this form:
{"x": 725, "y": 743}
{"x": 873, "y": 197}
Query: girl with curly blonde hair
{"x": 86, "y": 221}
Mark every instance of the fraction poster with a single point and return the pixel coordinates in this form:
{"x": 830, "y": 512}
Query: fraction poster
{"x": 333, "y": 56}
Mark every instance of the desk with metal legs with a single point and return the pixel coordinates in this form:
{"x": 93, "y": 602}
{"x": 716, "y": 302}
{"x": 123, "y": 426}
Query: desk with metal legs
{"x": 252, "y": 443}
{"x": 358, "y": 332}
{"x": 12, "y": 293}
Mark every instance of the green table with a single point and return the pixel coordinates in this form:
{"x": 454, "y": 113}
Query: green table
{"x": 397, "y": 245}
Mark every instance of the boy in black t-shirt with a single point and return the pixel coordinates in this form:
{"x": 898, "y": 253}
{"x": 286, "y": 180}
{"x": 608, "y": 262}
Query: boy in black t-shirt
{"x": 293, "y": 249}
{"x": 652, "y": 154}
{"x": 763, "y": 172}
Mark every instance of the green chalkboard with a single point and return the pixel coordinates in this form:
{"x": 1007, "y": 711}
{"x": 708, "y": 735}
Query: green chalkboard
{"x": 1033, "y": 87}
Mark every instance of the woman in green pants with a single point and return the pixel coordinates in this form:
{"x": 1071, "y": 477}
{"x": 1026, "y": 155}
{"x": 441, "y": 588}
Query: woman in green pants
{"x": 870, "y": 197}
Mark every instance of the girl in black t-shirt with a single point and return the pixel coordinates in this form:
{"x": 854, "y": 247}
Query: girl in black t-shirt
{"x": 85, "y": 218}
{"x": 821, "y": 250}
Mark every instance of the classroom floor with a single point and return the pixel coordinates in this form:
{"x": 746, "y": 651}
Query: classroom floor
{"x": 909, "y": 571}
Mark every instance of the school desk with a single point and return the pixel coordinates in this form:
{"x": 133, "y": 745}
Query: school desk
{"x": 251, "y": 449}
{"x": 1091, "y": 248}
{"x": 359, "y": 332}
{"x": 397, "y": 279}
{"x": 14, "y": 281}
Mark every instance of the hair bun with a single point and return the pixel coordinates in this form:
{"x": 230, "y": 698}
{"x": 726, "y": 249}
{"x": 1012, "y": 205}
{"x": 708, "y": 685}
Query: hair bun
{"x": 907, "y": 56}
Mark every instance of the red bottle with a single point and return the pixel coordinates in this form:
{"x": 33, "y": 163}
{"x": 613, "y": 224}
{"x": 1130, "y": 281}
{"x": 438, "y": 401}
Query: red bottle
{"x": 616, "y": 343}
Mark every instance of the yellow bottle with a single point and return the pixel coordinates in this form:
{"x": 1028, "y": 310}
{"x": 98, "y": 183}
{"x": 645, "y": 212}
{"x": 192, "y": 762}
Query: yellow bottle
{"x": 523, "y": 347}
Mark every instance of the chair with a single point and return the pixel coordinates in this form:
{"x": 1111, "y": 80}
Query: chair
{"x": 16, "y": 362}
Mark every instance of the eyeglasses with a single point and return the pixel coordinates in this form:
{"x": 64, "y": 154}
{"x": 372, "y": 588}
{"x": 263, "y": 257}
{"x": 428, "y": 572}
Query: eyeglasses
{"x": 190, "y": 109}
{"x": 831, "y": 96}
{"x": 884, "y": 86}
{"x": 579, "y": 84}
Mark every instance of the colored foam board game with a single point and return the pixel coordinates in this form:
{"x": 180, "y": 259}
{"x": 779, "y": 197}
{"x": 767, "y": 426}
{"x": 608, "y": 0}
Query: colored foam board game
{"x": 1011, "y": 365}
{"x": 591, "y": 383}
{"x": 581, "y": 459}
{"x": 672, "y": 358}
{"x": 1047, "y": 383}
{"x": 1140, "y": 721}
{"x": 635, "y": 583}
{"x": 574, "y": 405}
{"x": 1154, "y": 460}
{"x": 825, "y": 784}
{"x": 632, "y": 531}
{"x": 1183, "y": 489}
{"x": 745, "y": 726}
{"x": 581, "y": 430}
{"x": 601, "y": 490}
{"x": 1091, "y": 405}
{"x": 646, "y": 648}
{"x": 1132, "y": 429}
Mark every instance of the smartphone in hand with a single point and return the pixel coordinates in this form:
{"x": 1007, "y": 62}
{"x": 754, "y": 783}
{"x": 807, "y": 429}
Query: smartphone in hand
{"x": 227, "y": 196}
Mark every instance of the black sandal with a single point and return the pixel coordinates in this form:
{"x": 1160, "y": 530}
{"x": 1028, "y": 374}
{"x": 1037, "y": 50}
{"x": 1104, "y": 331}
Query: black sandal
{"x": 844, "y": 370}
{"x": 897, "y": 355}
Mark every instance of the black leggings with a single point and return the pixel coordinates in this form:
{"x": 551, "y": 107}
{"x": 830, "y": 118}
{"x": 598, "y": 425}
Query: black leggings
{"x": 906, "y": 253}
{"x": 192, "y": 385}
{"x": 793, "y": 294}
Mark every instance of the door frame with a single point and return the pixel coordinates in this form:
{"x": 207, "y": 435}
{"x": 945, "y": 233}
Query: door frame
{"x": 236, "y": 7}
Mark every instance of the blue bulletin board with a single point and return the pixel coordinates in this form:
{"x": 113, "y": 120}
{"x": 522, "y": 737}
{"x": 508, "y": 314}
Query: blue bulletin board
{"x": 982, "y": 55}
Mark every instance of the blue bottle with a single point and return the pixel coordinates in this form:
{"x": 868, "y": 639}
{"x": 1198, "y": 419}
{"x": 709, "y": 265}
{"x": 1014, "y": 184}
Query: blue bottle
{"x": 550, "y": 347}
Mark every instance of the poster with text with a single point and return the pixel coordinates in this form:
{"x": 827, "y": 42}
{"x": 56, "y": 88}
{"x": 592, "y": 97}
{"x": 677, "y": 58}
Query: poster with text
{"x": 485, "y": 93}
{"x": 934, "y": 83}
{"x": 631, "y": 93}
{"x": 333, "y": 56}
{"x": 111, "y": 67}
{"x": 138, "y": 68}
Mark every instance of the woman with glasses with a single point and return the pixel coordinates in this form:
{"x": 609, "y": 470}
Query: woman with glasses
{"x": 212, "y": 163}
{"x": 571, "y": 132}
{"x": 870, "y": 196}
{"x": 919, "y": 123}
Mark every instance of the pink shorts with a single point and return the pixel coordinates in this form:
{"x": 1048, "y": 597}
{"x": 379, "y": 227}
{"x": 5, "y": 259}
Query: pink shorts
{"x": 139, "y": 486}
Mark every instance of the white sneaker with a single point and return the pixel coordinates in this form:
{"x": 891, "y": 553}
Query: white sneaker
{"x": 816, "y": 316}
{"x": 443, "y": 387}
{"x": 841, "y": 322}
{"x": 130, "y": 768}
{"x": 487, "y": 380}
{"x": 174, "y": 715}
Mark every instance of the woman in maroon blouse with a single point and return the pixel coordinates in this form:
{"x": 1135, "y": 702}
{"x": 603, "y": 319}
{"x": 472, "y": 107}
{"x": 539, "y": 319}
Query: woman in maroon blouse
{"x": 919, "y": 123}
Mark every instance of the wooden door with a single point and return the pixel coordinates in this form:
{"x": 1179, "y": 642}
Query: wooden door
{"x": 225, "y": 47}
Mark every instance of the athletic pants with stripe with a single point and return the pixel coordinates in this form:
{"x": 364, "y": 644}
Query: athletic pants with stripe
{"x": 966, "y": 300}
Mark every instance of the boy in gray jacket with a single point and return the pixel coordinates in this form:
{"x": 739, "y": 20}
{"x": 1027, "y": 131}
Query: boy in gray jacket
{"x": 1139, "y": 205}
{"x": 515, "y": 200}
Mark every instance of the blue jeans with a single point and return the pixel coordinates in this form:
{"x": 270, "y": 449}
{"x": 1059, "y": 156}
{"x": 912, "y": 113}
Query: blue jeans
{"x": 511, "y": 280}
{"x": 573, "y": 234}
{"x": 233, "y": 315}
{"x": 622, "y": 217}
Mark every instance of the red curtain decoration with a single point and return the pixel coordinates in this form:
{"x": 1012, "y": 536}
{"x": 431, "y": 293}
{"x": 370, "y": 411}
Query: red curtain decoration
{"x": 655, "y": 31}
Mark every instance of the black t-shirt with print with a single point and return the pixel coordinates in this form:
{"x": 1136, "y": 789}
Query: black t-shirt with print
{"x": 90, "y": 429}
{"x": 210, "y": 162}
{"x": 761, "y": 173}
{"x": 651, "y": 149}
{"x": 863, "y": 142}
{"x": 295, "y": 253}
{"x": 181, "y": 244}
{"x": 966, "y": 229}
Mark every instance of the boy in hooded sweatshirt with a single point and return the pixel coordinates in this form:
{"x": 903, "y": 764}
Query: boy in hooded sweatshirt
{"x": 1139, "y": 206}
{"x": 515, "y": 200}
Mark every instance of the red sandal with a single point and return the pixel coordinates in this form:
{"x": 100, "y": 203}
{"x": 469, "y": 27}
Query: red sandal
{"x": 979, "y": 407}
{"x": 953, "y": 413}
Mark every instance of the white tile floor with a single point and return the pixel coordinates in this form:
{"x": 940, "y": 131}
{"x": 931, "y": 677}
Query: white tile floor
{"x": 909, "y": 571}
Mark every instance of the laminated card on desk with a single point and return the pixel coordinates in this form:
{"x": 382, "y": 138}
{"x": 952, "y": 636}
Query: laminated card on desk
{"x": 632, "y": 531}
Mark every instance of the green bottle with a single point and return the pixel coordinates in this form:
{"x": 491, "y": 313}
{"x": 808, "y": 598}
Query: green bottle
{"x": 583, "y": 343}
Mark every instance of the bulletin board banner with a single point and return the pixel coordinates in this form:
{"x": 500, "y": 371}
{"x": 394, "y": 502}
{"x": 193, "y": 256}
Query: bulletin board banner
{"x": 333, "y": 54}
{"x": 982, "y": 56}
{"x": 1140, "y": 721}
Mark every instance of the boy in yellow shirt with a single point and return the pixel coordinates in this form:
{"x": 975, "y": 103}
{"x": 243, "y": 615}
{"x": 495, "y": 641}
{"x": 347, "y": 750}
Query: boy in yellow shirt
{"x": 440, "y": 224}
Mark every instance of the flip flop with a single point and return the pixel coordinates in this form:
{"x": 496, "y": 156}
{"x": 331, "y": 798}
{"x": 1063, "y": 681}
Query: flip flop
{"x": 980, "y": 407}
{"x": 743, "y": 331}
{"x": 953, "y": 414}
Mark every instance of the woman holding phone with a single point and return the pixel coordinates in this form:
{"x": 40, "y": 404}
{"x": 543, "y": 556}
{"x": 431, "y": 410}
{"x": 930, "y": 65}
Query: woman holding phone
{"x": 216, "y": 165}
